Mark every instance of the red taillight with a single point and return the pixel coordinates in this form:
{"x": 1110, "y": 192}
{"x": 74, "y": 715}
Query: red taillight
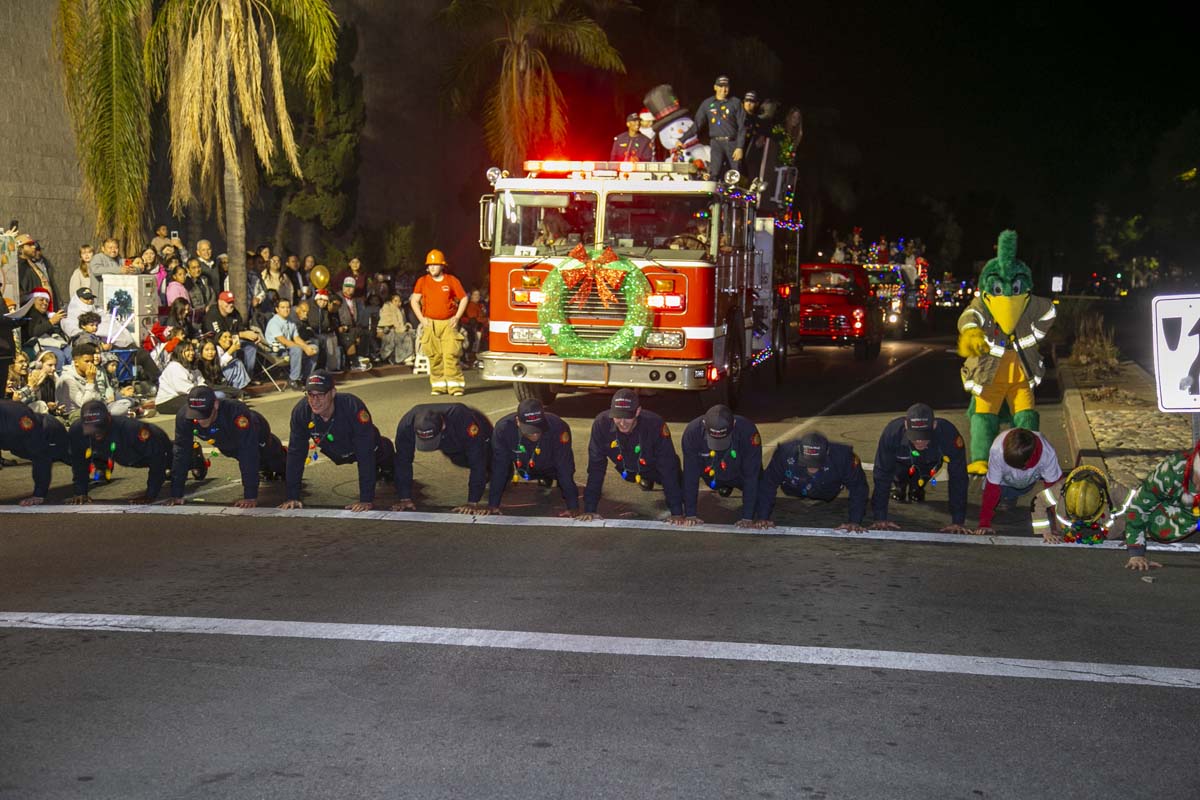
{"x": 859, "y": 313}
{"x": 713, "y": 374}
{"x": 784, "y": 290}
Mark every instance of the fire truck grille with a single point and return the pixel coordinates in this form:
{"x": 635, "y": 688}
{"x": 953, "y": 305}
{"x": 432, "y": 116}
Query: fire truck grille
{"x": 824, "y": 323}
{"x": 594, "y": 333}
{"x": 593, "y": 308}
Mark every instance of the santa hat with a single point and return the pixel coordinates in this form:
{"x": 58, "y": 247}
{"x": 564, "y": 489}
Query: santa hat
{"x": 1188, "y": 495}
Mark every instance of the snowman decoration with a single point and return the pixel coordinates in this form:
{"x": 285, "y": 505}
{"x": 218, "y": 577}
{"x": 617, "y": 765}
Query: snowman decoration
{"x": 675, "y": 127}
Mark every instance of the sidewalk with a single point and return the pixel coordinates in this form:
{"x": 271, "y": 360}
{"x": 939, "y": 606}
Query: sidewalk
{"x": 1115, "y": 424}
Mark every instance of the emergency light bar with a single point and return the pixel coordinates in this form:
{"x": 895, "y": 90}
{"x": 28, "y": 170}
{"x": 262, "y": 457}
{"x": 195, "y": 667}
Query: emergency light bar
{"x": 657, "y": 167}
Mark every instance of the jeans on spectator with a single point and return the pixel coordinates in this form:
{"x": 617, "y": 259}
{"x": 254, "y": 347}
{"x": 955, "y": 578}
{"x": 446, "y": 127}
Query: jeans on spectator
{"x": 235, "y": 374}
{"x": 330, "y": 351}
{"x": 249, "y": 356}
{"x": 299, "y": 364}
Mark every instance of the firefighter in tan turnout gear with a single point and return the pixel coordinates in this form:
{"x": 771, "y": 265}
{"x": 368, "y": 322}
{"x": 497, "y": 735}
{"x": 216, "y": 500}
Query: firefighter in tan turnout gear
{"x": 439, "y": 302}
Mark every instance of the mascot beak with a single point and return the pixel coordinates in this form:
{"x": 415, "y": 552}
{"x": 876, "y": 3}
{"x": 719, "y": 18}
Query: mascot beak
{"x": 1007, "y": 310}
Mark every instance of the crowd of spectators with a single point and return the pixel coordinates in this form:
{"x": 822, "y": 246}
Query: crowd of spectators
{"x": 60, "y": 349}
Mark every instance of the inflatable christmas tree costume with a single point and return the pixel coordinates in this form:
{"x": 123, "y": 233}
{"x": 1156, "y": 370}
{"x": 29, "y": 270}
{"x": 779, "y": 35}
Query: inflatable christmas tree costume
{"x": 999, "y": 335}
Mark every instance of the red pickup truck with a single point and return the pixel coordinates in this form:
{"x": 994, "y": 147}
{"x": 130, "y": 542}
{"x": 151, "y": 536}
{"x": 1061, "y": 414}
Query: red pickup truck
{"x": 835, "y": 307}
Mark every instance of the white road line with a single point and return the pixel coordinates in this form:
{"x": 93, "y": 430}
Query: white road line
{"x": 803, "y": 426}
{"x": 427, "y": 520}
{"x": 1081, "y": 671}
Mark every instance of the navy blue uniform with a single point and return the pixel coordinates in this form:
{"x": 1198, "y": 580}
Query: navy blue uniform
{"x": 787, "y": 472}
{"x": 128, "y": 442}
{"x": 896, "y": 461}
{"x": 39, "y": 437}
{"x": 739, "y": 467}
{"x": 726, "y": 123}
{"x": 632, "y": 147}
{"x": 646, "y": 454}
{"x": 465, "y": 441}
{"x": 237, "y": 433}
{"x": 346, "y": 437}
{"x": 516, "y": 458}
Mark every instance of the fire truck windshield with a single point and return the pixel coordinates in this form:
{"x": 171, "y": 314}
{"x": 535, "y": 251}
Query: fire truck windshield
{"x": 545, "y": 223}
{"x": 660, "y": 226}
{"x": 827, "y": 280}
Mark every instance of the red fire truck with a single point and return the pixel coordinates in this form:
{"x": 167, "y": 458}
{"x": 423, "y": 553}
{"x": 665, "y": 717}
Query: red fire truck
{"x": 705, "y": 254}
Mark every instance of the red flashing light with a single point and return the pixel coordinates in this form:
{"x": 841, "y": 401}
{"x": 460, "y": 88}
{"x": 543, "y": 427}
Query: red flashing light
{"x": 713, "y": 373}
{"x": 784, "y": 291}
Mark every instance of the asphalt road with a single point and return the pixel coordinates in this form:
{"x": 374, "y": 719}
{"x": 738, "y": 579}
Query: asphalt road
{"x": 435, "y": 658}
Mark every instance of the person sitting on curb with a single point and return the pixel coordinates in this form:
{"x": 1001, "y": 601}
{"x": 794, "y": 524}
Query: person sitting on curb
{"x": 1018, "y": 459}
{"x": 1165, "y": 508}
{"x": 814, "y": 468}
{"x": 1086, "y": 506}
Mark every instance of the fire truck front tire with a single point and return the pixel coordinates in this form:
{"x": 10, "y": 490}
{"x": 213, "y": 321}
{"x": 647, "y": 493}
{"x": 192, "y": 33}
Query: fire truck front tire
{"x": 541, "y": 392}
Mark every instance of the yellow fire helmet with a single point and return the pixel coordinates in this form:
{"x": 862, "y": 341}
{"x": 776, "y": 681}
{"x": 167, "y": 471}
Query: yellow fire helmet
{"x": 1085, "y": 494}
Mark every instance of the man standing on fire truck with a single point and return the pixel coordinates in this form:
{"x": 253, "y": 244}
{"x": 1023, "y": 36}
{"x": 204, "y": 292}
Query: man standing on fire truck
{"x": 439, "y": 302}
{"x": 726, "y": 123}
{"x": 632, "y": 145}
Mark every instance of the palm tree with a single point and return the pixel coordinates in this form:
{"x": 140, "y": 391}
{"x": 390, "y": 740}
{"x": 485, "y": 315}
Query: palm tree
{"x": 524, "y": 106}
{"x": 220, "y": 64}
{"x": 109, "y": 105}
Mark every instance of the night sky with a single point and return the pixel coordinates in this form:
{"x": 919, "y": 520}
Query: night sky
{"x": 1011, "y": 116}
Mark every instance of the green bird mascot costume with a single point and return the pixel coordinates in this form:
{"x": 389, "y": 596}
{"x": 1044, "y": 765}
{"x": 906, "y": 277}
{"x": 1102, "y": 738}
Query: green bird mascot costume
{"x": 998, "y": 335}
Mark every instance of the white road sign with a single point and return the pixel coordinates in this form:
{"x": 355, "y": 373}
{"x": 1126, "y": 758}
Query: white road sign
{"x": 1177, "y": 352}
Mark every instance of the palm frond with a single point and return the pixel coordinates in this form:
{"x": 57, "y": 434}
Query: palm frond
{"x": 108, "y": 100}
{"x": 573, "y": 34}
{"x": 309, "y": 30}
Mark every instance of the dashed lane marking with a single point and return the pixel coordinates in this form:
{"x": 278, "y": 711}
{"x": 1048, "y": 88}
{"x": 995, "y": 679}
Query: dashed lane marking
{"x": 1080, "y": 671}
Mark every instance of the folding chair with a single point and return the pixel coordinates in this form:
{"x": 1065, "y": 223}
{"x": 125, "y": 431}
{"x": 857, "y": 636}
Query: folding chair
{"x": 269, "y": 361}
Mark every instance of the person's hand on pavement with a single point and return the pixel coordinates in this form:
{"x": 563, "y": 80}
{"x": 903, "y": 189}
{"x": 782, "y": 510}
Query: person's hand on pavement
{"x": 359, "y": 507}
{"x": 244, "y": 503}
{"x": 288, "y": 505}
{"x": 984, "y": 532}
{"x": 851, "y": 527}
{"x": 173, "y": 501}
{"x": 32, "y": 501}
{"x": 587, "y": 516}
{"x": 954, "y": 527}
{"x": 404, "y": 505}
{"x": 884, "y": 525}
{"x": 79, "y": 500}
{"x": 1141, "y": 564}
{"x": 746, "y": 523}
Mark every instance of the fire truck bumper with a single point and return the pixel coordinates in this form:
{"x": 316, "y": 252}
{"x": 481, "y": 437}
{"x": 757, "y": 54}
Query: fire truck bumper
{"x": 656, "y": 374}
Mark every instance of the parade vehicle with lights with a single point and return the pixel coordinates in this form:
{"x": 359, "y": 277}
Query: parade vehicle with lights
{"x": 623, "y": 274}
{"x": 835, "y": 306}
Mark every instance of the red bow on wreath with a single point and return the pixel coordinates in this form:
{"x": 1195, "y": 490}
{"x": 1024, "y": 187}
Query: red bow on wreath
{"x": 592, "y": 273}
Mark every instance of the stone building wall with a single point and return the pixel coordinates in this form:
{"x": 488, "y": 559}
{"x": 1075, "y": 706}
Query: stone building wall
{"x": 40, "y": 180}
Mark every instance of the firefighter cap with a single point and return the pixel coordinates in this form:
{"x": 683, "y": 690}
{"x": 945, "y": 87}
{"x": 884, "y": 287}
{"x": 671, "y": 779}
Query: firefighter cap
{"x": 435, "y": 256}
{"x": 812, "y": 449}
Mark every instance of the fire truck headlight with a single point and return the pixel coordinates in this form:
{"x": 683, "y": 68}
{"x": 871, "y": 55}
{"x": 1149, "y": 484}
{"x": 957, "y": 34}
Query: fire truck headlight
{"x": 732, "y": 177}
{"x": 665, "y": 340}
{"x": 526, "y": 335}
{"x": 494, "y": 174}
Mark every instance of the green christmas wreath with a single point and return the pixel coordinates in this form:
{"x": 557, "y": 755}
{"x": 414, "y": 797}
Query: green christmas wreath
{"x": 573, "y": 281}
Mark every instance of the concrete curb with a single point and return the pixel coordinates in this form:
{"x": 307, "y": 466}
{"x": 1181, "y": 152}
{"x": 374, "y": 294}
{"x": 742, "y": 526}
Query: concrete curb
{"x": 1082, "y": 443}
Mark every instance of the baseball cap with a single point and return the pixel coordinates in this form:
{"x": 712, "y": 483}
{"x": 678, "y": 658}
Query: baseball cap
{"x": 25, "y": 238}
{"x": 722, "y": 80}
{"x": 531, "y": 416}
{"x": 918, "y": 423}
{"x": 428, "y": 427}
{"x": 625, "y": 404}
{"x": 632, "y": 117}
{"x": 812, "y": 449}
{"x": 226, "y": 297}
{"x": 718, "y": 428}
{"x": 751, "y": 95}
{"x": 320, "y": 382}
{"x": 348, "y": 281}
{"x": 95, "y": 417}
{"x": 200, "y": 403}
{"x": 84, "y": 293}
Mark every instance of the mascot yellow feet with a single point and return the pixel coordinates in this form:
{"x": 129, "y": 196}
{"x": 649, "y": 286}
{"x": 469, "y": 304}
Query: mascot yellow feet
{"x": 977, "y": 468}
